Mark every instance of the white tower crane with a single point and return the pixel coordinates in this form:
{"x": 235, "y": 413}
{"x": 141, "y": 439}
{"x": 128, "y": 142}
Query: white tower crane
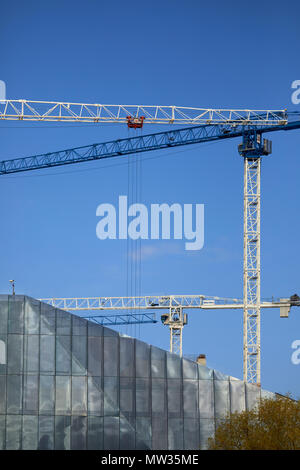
{"x": 173, "y": 304}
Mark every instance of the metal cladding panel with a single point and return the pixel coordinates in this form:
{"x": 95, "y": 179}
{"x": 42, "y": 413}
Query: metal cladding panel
{"x": 67, "y": 383}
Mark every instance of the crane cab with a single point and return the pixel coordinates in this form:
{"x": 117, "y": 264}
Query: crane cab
{"x": 135, "y": 122}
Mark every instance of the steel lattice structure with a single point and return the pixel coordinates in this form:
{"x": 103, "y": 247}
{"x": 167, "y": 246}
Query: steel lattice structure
{"x": 28, "y": 110}
{"x": 142, "y": 143}
{"x": 252, "y": 148}
{"x": 141, "y": 302}
{"x": 251, "y": 342}
{"x": 131, "y": 318}
{"x": 160, "y": 302}
{"x": 175, "y": 319}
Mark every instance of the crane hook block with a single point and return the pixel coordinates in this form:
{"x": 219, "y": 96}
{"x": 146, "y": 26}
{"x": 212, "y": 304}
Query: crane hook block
{"x": 135, "y": 122}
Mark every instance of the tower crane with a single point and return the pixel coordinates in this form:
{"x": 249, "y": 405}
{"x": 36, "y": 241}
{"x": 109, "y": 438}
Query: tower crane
{"x": 173, "y": 307}
{"x": 206, "y": 125}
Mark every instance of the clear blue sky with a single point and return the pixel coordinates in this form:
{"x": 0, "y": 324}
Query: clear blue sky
{"x": 221, "y": 54}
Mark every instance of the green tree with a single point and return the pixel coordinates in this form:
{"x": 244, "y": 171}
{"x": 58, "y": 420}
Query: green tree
{"x": 274, "y": 424}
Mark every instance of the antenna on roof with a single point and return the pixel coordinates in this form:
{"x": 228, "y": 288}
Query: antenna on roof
{"x": 12, "y": 283}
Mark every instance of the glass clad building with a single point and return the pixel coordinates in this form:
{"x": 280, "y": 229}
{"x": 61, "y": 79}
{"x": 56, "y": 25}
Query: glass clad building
{"x": 67, "y": 383}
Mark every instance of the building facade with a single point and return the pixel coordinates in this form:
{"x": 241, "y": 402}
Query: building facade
{"x": 68, "y": 383}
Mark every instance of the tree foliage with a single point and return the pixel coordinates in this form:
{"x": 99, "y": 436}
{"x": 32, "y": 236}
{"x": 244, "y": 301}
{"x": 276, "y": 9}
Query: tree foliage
{"x": 273, "y": 425}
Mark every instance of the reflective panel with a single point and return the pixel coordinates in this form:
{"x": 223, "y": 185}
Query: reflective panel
{"x": 14, "y": 394}
{"x": 174, "y": 398}
{"x": 142, "y": 397}
{"x": 4, "y": 314}
{"x": 111, "y": 433}
{"x": 252, "y": 395}
{"x": 13, "y": 432}
{"x": 79, "y": 326}
{"x": 47, "y": 394}
{"x": 32, "y": 316}
{"x": 204, "y": 373}
{"x": 111, "y": 355}
{"x": 2, "y": 432}
{"x": 111, "y": 396}
{"x": 47, "y": 354}
{"x": 95, "y": 433}
{"x": 175, "y": 433}
{"x": 109, "y": 332}
{"x": 3, "y": 354}
{"x": 174, "y": 366}
{"x": 94, "y": 329}
{"x": 31, "y": 353}
{"x": 126, "y": 357}
{"x": 191, "y": 434}
{"x": 14, "y": 354}
{"x": 2, "y": 394}
{"x": 159, "y": 434}
{"x": 63, "y": 323}
{"x": 190, "y": 369}
{"x": 79, "y": 355}
{"x": 62, "y": 432}
{"x": 127, "y": 395}
{"x": 30, "y": 433}
{"x": 79, "y": 395}
{"x": 158, "y": 363}
{"x": 16, "y": 314}
{"x": 46, "y": 433}
{"x": 30, "y": 400}
{"x": 190, "y": 398}
{"x": 143, "y": 433}
{"x": 48, "y": 319}
{"x": 95, "y": 396}
{"x": 207, "y": 430}
{"x": 63, "y": 355}
{"x": 222, "y": 402}
{"x": 78, "y": 432}
{"x": 206, "y": 399}
{"x": 95, "y": 355}
{"x": 159, "y": 397}
{"x": 220, "y": 376}
{"x": 63, "y": 395}
{"x": 127, "y": 434}
{"x": 237, "y": 396}
{"x": 142, "y": 359}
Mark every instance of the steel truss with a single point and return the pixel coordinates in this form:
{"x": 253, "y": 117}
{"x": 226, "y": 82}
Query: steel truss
{"x": 27, "y": 110}
{"x": 130, "y": 145}
{"x": 143, "y": 302}
{"x": 122, "y": 319}
{"x": 252, "y": 366}
{"x": 252, "y": 148}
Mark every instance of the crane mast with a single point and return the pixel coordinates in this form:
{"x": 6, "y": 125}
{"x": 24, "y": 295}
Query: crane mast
{"x": 252, "y": 148}
{"x": 251, "y": 282}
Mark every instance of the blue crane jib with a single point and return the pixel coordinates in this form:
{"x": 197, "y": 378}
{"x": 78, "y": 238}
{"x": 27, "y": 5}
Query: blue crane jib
{"x": 138, "y": 144}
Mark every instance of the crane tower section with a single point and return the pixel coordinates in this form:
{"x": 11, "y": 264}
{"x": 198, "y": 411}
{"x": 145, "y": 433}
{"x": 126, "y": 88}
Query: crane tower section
{"x": 252, "y": 148}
